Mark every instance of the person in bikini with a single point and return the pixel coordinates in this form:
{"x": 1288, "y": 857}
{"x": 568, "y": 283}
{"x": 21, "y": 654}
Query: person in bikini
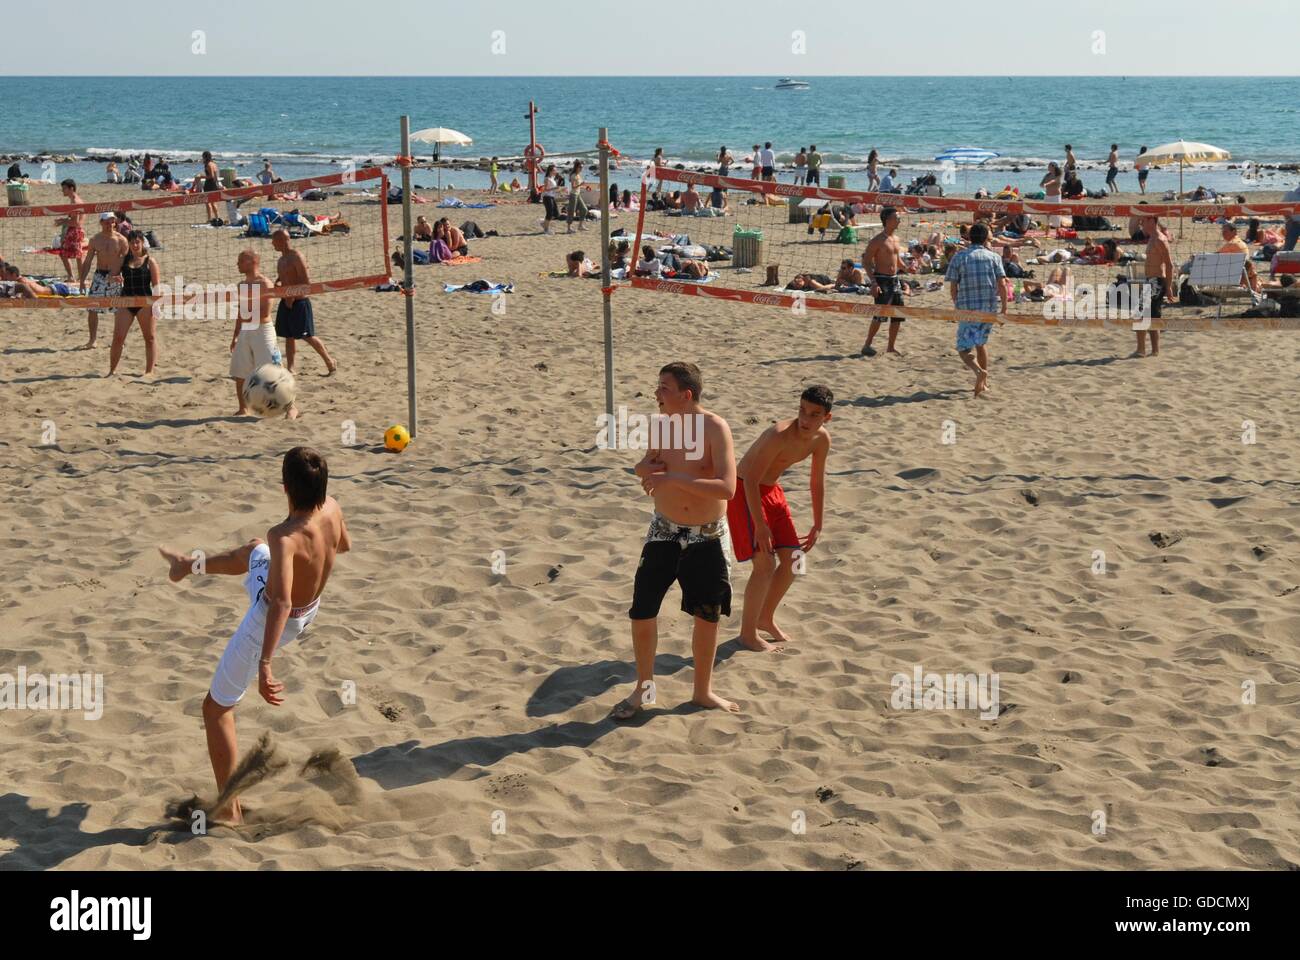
{"x": 691, "y": 483}
{"x": 284, "y": 577}
{"x": 758, "y": 516}
{"x": 108, "y": 249}
{"x": 883, "y": 259}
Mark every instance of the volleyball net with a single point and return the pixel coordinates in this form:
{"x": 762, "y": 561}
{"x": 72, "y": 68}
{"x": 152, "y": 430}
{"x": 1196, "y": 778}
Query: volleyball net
{"x": 1076, "y": 264}
{"x": 338, "y": 223}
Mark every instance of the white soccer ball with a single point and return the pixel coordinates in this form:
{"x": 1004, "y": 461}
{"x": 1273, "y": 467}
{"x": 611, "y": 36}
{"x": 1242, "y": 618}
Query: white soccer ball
{"x": 270, "y": 390}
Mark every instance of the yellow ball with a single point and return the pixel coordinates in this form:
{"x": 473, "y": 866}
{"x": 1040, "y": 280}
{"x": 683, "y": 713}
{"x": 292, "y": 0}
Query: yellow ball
{"x": 396, "y": 437}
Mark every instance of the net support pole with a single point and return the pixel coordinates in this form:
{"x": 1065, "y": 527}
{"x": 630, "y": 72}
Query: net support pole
{"x": 408, "y": 282}
{"x": 640, "y": 223}
{"x": 606, "y": 290}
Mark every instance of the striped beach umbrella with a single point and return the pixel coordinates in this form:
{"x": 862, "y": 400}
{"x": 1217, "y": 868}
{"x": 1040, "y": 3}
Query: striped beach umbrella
{"x": 966, "y": 156}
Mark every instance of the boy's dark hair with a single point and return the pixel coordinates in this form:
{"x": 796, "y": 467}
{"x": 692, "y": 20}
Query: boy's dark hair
{"x": 820, "y": 395}
{"x": 979, "y": 233}
{"x": 306, "y": 476}
{"x": 578, "y": 256}
{"x": 687, "y": 376}
{"x": 886, "y": 213}
{"x": 69, "y": 183}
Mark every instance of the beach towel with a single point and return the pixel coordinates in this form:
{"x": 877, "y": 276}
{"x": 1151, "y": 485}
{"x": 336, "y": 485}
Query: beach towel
{"x": 456, "y": 203}
{"x": 478, "y": 286}
{"x": 457, "y": 261}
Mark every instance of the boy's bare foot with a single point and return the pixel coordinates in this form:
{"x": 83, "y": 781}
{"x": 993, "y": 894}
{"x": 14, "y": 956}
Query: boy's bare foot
{"x": 241, "y": 412}
{"x": 1137, "y": 354}
{"x": 627, "y": 708}
{"x": 981, "y": 379}
{"x": 711, "y": 701}
{"x": 897, "y": 353}
{"x": 180, "y": 563}
{"x": 90, "y": 345}
{"x": 330, "y": 366}
{"x": 230, "y": 815}
{"x": 774, "y": 631}
{"x": 756, "y": 643}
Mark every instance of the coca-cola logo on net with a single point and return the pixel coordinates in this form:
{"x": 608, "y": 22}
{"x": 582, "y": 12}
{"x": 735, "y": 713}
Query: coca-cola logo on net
{"x": 988, "y": 206}
{"x": 1093, "y": 211}
{"x": 22, "y": 211}
{"x": 768, "y": 300}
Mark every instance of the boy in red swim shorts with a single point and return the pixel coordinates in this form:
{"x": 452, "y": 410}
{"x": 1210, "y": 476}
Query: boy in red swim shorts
{"x": 758, "y": 516}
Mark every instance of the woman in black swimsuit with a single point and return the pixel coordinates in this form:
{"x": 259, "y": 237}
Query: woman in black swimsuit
{"x": 139, "y": 277}
{"x": 211, "y": 183}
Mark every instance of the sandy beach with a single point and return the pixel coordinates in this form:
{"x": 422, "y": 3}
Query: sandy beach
{"x": 478, "y": 736}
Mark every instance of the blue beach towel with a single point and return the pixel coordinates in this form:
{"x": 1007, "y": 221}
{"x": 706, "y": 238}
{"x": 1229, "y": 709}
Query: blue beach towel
{"x": 457, "y": 204}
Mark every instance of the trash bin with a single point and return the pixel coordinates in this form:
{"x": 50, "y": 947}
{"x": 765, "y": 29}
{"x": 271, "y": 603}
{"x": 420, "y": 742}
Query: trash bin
{"x": 17, "y": 194}
{"x": 798, "y": 214}
{"x": 747, "y": 247}
{"x": 228, "y": 176}
{"x": 835, "y": 181}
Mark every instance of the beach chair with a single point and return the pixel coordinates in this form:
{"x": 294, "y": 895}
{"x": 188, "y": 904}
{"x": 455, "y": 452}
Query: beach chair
{"x": 258, "y": 225}
{"x": 1220, "y": 275}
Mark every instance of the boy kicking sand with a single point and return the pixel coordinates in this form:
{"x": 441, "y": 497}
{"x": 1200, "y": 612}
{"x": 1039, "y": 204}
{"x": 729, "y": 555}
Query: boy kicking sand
{"x": 691, "y": 483}
{"x": 284, "y": 578}
{"x": 759, "y": 516}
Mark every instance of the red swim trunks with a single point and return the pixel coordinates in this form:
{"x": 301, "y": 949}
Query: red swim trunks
{"x": 776, "y": 511}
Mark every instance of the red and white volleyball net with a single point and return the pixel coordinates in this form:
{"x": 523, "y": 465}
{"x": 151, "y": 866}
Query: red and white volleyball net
{"x": 338, "y": 222}
{"x": 1082, "y": 267}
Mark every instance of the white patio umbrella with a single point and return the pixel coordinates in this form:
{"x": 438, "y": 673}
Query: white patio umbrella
{"x": 1181, "y": 152}
{"x": 439, "y": 136}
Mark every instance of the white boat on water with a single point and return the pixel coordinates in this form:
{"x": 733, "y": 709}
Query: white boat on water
{"x": 785, "y": 83}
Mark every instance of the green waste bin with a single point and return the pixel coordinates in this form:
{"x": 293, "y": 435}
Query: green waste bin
{"x": 17, "y": 194}
{"x": 835, "y": 181}
{"x": 747, "y": 247}
{"x": 228, "y": 176}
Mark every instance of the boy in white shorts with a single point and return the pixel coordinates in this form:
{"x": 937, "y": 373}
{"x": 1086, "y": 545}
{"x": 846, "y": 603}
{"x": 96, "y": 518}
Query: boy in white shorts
{"x": 284, "y": 577}
{"x": 253, "y": 343}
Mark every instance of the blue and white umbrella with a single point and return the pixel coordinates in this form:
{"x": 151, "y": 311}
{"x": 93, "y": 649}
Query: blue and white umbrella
{"x": 974, "y": 155}
{"x": 966, "y": 156}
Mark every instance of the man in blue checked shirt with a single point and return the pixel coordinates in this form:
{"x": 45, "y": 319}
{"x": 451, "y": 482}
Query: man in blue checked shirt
{"x": 976, "y": 276}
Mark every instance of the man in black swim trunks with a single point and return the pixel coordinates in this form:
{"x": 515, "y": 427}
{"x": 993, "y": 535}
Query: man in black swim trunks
{"x": 690, "y": 470}
{"x": 883, "y": 260}
{"x": 293, "y": 318}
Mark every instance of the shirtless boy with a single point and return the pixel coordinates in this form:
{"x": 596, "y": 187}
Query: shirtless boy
{"x": 253, "y": 342}
{"x": 108, "y": 249}
{"x": 293, "y": 318}
{"x": 759, "y": 516}
{"x": 691, "y": 482}
{"x": 1160, "y": 276}
{"x": 284, "y": 577}
{"x": 883, "y": 260}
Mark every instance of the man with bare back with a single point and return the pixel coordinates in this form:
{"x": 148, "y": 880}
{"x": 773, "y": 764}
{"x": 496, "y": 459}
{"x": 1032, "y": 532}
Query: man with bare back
{"x": 108, "y": 249}
{"x": 293, "y": 318}
{"x": 1160, "y": 277}
{"x": 691, "y": 474}
{"x": 883, "y": 262}
{"x": 284, "y": 577}
{"x": 759, "y": 516}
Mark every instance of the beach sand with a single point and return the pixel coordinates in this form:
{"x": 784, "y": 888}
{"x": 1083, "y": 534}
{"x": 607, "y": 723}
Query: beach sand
{"x": 478, "y": 737}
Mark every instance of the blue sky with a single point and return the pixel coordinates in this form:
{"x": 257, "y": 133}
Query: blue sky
{"x": 640, "y": 38}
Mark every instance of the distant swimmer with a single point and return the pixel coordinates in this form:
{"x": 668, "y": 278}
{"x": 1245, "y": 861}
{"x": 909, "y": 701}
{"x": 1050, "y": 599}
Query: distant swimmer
{"x": 691, "y": 474}
{"x": 762, "y": 528}
{"x": 284, "y": 577}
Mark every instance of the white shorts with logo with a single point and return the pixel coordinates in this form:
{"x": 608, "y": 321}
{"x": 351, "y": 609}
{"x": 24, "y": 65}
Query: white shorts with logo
{"x": 254, "y": 348}
{"x": 238, "y": 665}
